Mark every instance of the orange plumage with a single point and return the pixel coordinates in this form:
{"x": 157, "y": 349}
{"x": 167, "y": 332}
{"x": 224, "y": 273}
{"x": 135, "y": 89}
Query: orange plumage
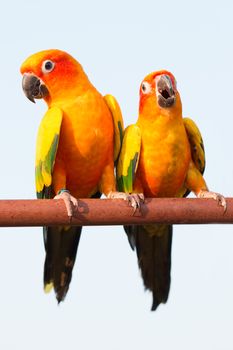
{"x": 162, "y": 156}
{"x": 75, "y": 150}
{"x": 165, "y": 150}
{"x": 85, "y": 150}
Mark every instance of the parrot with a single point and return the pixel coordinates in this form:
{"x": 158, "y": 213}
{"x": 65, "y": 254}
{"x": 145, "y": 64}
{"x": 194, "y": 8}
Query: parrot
{"x": 162, "y": 155}
{"x": 78, "y": 141}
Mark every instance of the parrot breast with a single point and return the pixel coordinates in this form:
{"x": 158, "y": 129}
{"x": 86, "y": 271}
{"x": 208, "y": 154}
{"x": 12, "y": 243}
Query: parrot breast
{"x": 86, "y": 142}
{"x": 164, "y": 159}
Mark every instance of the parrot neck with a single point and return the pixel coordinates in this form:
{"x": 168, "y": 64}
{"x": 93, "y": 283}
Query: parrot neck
{"x": 164, "y": 115}
{"x": 69, "y": 90}
{"x": 158, "y": 122}
{"x": 150, "y": 111}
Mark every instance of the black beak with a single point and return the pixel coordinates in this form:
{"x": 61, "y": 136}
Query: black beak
{"x": 33, "y": 87}
{"x": 165, "y": 91}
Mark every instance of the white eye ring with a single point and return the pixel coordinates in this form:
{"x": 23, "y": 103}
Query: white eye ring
{"x": 145, "y": 87}
{"x": 47, "y": 66}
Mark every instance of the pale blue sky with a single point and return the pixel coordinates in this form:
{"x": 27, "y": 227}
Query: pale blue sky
{"x": 118, "y": 43}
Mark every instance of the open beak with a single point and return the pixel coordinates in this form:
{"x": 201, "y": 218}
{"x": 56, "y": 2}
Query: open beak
{"x": 165, "y": 91}
{"x": 33, "y": 87}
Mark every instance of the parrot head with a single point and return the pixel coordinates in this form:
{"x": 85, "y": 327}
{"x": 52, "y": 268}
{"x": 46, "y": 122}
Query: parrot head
{"x": 158, "y": 91}
{"x": 51, "y": 74}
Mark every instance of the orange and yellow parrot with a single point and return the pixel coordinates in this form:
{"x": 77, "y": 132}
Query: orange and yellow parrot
{"x": 78, "y": 140}
{"x": 162, "y": 155}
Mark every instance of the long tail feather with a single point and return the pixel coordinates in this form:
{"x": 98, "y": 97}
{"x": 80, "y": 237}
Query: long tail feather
{"x": 61, "y": 245}
{"x": 153, "y": 247}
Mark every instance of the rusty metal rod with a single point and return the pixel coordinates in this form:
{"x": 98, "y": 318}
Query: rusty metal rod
{"x": 114, "y": 212}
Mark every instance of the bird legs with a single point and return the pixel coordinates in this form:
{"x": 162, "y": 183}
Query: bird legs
{"x": 216, "y": 196}
{"x": 133, "y": 199}
{"x": 71, "y": 202}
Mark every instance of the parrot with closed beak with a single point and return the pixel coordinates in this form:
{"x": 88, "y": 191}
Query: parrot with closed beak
{"x": 162, "y": 155}
{"x": 78, "y": 140}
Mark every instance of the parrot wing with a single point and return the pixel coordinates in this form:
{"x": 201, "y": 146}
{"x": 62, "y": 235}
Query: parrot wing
{"x": 196, "y": 147}
{"x": 46, "y": 148}
{"x": 196, "y": 144}
{"x": 129, "y": 158}
{"x": 118, "y": 123}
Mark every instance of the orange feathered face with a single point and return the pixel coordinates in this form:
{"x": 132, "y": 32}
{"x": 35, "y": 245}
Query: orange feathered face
{"x": 48, "y": 73}
{"x": 159, "y": 88}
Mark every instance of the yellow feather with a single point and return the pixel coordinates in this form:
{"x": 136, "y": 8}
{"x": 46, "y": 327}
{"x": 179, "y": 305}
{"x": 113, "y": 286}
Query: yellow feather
{"x": 196, "y": 144}
{"x": 49, "y": 126}
{"x": 47, "y": 178}
{"x": 39, "y": 181}
{"x": 48, "y": 287}
{"x": 47, "y": 137}
{"x": 128, "y": 160}
{"x": 197, "y": 150}
{"x": 118, "y": 123}
{"x": 130, "y": 147}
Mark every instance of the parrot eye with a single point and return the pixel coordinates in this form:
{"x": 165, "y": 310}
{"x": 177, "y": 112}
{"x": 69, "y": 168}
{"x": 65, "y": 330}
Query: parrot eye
{"x": 146, "y": 88}
{"x": 47, "y": 66}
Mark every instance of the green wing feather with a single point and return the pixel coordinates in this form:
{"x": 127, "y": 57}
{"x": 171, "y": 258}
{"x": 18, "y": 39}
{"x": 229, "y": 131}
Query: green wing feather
{"x": 46, "y": 148}
{"x": 196, "y": 147}
{"x": 118, "y": 123}
{"x": 128, "y": 159}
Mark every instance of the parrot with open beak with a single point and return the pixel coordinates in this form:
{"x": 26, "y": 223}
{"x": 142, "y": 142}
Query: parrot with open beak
{"x": 162, "y": 155}
{"x": 78, "y": 140}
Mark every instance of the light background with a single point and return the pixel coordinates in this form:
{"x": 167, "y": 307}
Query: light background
{"x": 118, "y": 43}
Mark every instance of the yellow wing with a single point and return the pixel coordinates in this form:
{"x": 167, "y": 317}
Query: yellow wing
{"x": 118, "y": 123}
{"x": 46, "y": 148}
{"x": 196, "y": 147}
{"x": 196, "y": 144}
{"x": 129, "y": 158}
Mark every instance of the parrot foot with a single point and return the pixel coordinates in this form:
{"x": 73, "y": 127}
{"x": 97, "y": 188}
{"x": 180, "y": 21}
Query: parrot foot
{"x": 134, "y": 199}
{"x": 71, "y": 202}
{"x": 216, "y": 196}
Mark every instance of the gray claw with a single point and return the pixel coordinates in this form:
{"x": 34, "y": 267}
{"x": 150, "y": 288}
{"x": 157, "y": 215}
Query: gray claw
{"x": 134, "y": 199}
{"x": 216, "y": 196}
{"x": 71, "y": 202}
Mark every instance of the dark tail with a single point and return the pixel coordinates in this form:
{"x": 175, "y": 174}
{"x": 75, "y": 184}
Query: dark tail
{"x": 61, "y": 245}
{"x": 153, "y": 246}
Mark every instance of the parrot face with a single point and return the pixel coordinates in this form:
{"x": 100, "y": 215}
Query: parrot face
{"x": 44, "y": 71}
{"x": 159, "y": 89}
{"x": 164, "y": 91}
